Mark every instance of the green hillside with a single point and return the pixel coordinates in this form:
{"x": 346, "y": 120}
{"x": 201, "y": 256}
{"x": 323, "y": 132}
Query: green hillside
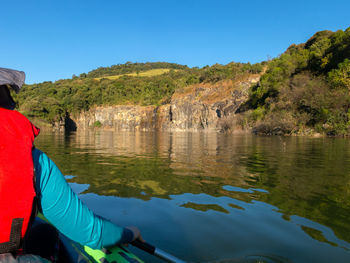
{"x": 130, "y": 83}
{"x": 306, "y": 89}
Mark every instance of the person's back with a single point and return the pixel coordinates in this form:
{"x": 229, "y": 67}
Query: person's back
{"x": 17, "y": 189}
{"x": 17, "y": 159}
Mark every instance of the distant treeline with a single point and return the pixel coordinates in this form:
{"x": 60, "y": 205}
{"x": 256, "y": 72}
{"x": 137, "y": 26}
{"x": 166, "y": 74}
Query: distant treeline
{"x": 52, "y": 101}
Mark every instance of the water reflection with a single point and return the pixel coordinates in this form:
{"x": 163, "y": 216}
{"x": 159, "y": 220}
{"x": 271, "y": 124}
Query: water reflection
{"x": 285, "y": 196}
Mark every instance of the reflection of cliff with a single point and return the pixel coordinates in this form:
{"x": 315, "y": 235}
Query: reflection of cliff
{"x": 301, "y": 176}
{"x": 148, "y": 164}
{"x": 187, "y": 154}
{"x": 196, "y": 107}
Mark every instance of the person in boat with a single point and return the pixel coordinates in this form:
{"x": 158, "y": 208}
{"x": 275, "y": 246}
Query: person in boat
{"x": 24, "y": 192}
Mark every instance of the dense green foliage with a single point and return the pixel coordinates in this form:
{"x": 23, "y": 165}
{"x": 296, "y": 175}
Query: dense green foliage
{"x": 53, "y": 101}
{"x": 306, "y": 89}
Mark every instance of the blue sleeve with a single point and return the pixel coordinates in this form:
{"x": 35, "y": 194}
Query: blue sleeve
{"x": 62, "y": 207}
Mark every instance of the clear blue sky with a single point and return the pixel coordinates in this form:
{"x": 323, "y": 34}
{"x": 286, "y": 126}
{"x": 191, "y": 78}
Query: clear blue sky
{"x": 54, "y": 39}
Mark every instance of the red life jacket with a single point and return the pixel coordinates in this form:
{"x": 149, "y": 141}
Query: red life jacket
{"x": 17, "y": 191}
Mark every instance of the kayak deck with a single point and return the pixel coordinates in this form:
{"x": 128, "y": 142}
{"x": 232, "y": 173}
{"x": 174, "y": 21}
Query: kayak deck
{"x": 72, "y": 252}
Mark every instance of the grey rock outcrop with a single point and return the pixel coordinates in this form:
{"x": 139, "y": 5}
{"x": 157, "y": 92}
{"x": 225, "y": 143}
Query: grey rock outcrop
{"x": 196, "y": 107}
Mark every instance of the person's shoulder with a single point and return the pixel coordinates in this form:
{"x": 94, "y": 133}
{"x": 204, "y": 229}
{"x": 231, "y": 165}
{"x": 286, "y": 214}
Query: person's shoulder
{"x": 42, "y": 162}
{"x": 15, "y": 114}
{"x": 20, "y": 119}
{"x": 25, "y": 121}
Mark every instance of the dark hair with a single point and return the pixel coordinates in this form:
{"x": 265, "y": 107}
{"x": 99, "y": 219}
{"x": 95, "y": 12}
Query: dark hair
{"x": 6, "y": 100}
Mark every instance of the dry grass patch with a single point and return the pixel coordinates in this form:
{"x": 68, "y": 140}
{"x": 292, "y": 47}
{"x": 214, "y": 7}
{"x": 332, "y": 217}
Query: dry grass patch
{"x": 148, "y": 73}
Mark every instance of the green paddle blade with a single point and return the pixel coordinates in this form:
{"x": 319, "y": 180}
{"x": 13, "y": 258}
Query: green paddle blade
{"x": 114, "y": 254}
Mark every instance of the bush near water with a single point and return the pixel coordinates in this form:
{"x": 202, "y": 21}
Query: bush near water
{"x": 305, "y": 90}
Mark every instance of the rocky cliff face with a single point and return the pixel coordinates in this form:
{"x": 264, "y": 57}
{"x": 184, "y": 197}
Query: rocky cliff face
{"x": 123, "y": 117}
{"x": 196, "y": 107}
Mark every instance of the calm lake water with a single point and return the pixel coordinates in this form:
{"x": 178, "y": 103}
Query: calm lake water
{"x": 208, "y": 197}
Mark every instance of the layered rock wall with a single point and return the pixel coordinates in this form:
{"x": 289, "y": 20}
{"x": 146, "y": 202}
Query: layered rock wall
{"x": 118, "y": 117}
{"x": 196, "y": 107}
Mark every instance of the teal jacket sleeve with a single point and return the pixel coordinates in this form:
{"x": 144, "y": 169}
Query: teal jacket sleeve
{"x": 62, "y": 207}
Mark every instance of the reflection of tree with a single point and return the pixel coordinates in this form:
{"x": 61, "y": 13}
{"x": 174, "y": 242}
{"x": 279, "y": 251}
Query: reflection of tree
{"x": 317, "y": 235}
{"x": 205, "y": 207}
{"x": 310, "y": 179}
